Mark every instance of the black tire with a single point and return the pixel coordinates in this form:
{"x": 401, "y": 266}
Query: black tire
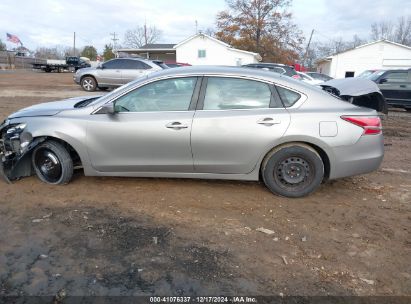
{"x": 52, "y": 163}
{"x": 293, "y": 170}
{"x": 88, "y": 84}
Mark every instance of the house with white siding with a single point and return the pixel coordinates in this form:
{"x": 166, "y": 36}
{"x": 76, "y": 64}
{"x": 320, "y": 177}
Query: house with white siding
{"x": 381, "y": 54}
{"x": 202, "y": 49}
{"x": 199, "y": 49}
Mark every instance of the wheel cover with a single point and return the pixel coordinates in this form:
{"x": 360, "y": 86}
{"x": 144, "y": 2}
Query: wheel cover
{"x": 88, "y": 84}
{"x": 48, "y": 165}
{"x": 294, "y": 173}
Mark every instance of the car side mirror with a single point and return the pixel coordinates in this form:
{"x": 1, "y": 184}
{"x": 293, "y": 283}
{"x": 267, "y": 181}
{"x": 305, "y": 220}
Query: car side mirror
{"x": 107, "y": 108}
{"x": 384, "y": 80}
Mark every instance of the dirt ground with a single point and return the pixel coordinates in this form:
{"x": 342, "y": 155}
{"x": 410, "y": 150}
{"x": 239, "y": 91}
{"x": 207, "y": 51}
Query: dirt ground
{"x": 133, "y": 236}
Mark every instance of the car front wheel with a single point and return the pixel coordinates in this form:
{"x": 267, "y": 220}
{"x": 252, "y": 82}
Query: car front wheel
{"x": 88, "y": 84}
{"x": 293, "y": 170}
{"x": 52, "y": 163}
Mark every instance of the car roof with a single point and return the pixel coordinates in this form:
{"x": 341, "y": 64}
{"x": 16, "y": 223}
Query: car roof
{"x": 135, "y": 59}
{"x": 396, "y": 70}
{"x": 217, "y": 70}
{"x": 231, "y": 71}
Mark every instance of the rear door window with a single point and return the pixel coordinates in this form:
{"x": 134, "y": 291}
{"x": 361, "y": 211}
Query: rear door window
{"x": 236, "y": 93}
{"x": 136, "y": 65}
{"x": 112, "y": 64}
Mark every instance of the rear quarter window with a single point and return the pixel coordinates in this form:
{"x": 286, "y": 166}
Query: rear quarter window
{"x": 288, "y": 97}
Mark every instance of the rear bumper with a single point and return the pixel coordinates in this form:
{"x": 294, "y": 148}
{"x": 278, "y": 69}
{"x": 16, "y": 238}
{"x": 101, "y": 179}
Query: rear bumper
{"x": 363, "y": 157}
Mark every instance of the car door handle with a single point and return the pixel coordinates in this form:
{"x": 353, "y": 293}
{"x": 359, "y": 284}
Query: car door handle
{"x": 268, "y": 121}
{"x": 176, "y": 125}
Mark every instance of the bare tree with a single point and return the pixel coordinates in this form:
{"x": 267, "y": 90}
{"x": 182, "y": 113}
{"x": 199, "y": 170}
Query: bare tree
{"x": 382, "y": 30}
{"x": 356, "y": 41}
{"x": 141, "y": 35}
{"x": 399, "y": 31}
{"x": 403, "y": 31}
{"x": 209, "y": 31}
{"x": 56, "y": 52}
{"x": 48, "y": 53}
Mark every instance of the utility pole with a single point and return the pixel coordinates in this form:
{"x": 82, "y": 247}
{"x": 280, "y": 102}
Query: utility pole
{"x": 145, "y": 32}
{"x": 74, "y": 44}
{"x": 114, "y": 39}
{"x": 308, "y": 46}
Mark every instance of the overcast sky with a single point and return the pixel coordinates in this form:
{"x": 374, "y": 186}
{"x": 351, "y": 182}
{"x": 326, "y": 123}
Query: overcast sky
{"x": 50, "y": 23}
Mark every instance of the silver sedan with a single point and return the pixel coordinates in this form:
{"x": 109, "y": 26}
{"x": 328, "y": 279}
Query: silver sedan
{"x": 198, "y": 122}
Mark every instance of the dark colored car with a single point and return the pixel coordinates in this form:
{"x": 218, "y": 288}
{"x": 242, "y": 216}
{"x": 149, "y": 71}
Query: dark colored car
{"x": 395, "y": 85}
{"x": 275, "y": 67}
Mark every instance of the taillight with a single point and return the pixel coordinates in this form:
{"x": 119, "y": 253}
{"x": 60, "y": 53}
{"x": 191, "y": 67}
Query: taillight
{"x": 371, "y": 125}
{"x": 296, "y": 76}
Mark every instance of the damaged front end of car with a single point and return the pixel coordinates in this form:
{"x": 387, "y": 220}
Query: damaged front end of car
{"x": 15, "y": 147}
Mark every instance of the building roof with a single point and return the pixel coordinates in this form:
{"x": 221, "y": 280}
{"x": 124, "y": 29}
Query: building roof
{"x": 150, "y": 47}
{"x": 155, "y": 46}
{"x": 329, "y": 58}
{"x": 201, "y": 35}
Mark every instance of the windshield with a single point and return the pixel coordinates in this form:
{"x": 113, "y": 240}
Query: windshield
{"x": 366, "y": 74}
{"x": 374, "y": 76}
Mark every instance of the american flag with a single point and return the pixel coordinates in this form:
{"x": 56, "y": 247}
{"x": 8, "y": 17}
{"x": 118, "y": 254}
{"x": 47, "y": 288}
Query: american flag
{"x": 13, "y": 38}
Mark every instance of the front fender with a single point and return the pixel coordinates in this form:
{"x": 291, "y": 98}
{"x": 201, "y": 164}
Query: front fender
{"x": 20, "y": 166}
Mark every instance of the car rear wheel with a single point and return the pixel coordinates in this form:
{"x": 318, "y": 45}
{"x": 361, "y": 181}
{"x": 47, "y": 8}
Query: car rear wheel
{"x": 88, "y": 84}
{"x": 293, "y": 170}
{"x": 52, "y": 163}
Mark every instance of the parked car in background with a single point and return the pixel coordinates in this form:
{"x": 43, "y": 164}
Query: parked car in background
{"x": 366, "y": 74}
{"x": 173, "y": 64}
{"x": 116, "y": 72}
{"x": 279, "y": 68}
{"x": 319, "y": 76}
{"x": 395, "y": 85}
{"x": 308, "y": 79}
{"x": 198, "y": 122}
